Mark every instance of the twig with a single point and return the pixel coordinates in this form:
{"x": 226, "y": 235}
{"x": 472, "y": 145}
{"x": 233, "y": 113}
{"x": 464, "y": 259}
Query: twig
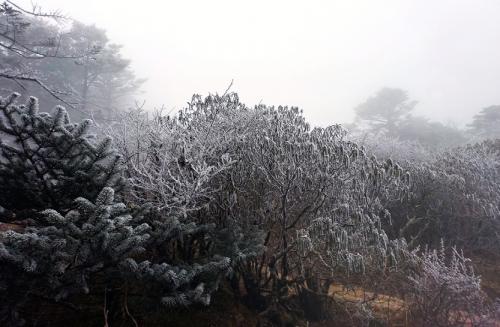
{"x": 126, "y": 307}
{"x": 39, "y": 13}
{"x": 105, "y": 311}
{"x": 228, "y": 88}
{"x": 16, "y": 78}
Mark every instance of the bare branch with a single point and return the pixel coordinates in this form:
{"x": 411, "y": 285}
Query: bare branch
{"x": 17, "y": 78}
{"x": 37, "y": 11}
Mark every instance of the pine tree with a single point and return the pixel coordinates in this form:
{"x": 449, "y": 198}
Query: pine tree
{"x": 46, "y": 161}
{"x": 103, "y": 243}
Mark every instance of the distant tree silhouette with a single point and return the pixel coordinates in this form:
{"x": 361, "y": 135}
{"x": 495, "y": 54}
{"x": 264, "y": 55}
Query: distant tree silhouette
{"x": 486, "y": 123}
{"x": 389, "y": 114}
{"x": 385, "y": 111}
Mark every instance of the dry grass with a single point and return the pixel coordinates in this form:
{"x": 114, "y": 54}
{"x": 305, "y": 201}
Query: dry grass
{"x": 389, "y": 309}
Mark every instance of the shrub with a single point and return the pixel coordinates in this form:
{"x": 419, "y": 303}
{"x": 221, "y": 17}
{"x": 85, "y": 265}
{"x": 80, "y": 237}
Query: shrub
{"x": 445, "y": 291}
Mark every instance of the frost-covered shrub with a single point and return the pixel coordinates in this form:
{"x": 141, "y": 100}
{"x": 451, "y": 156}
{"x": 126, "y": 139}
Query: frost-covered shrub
{"x": 323, "y": 193}
{"x": 318, "y": 197}
{"x": 321, "y": 199}
{"x": 444, "y": 291}
{"x": 173, "y": 161}
{"x": 401, "y": 151}
{"x": 262, "y": 176}
{"x": 454, "y": 194}
{"x": 46, "y": 161}
{"x": 182, "y": 165}
{"x": 457, "y": 197}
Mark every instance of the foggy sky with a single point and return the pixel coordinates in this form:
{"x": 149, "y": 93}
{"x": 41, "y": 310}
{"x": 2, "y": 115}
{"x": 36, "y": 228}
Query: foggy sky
{"x": 323, "y": 56}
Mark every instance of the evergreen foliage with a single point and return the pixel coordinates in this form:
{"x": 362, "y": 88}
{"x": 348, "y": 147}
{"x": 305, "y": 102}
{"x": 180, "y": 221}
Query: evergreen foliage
{"x": 102, "y": 240}
{"x": 46, "y": 161}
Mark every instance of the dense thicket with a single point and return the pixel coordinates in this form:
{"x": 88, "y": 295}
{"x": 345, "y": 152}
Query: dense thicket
{"x": 250, "y": 197}
{"x": 317, "y": 198}
{"x": 454, "y": 194}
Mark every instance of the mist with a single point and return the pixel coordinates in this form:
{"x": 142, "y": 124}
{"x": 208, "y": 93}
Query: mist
{"x": 323, "y": 56}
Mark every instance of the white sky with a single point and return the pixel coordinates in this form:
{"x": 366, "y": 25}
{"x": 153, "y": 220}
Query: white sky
{"x": 323, "y": 56}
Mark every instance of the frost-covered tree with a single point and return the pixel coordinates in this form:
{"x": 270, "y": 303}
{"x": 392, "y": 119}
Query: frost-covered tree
{"x": 46, "y": 161}
{"x": 402, "y": 151}
{"x": 320, "y": 199}
{"x": 61, "y": 255}
{"x": 181, "y": 165}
